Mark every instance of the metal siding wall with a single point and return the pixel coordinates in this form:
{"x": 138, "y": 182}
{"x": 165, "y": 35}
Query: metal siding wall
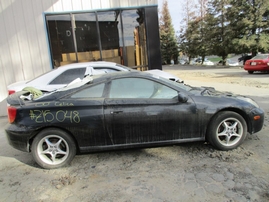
{"x": 41, "y": 38}
{"x": 24, "y": 49}
{"x": 23, "y": 45}
{"x": 86, "y": 4}
{"x": 77, "y": 5}
{"x": 67, "y": 6}
{"x": 3, "y": 58}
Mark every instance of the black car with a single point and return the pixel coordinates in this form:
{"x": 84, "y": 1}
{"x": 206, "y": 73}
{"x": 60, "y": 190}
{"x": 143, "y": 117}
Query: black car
{"x": 125, "y": 110}
{"x": 244, "y": 58}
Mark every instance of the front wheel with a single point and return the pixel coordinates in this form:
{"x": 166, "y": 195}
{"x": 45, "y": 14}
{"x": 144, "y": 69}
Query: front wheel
{"x": 227, "y": 130}
{"x": 53, "y": 148}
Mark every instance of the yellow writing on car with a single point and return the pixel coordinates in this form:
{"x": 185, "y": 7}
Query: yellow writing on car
{"x": 44, "y": 104}
{"x": 63, "y": 104}
{"x": 46, "y": 116}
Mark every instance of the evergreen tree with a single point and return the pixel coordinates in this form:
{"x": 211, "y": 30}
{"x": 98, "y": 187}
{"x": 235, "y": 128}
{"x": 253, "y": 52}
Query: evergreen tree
{"x": 169, "y": 47}
{"x": 219, "y": 36}
{"x": 186, "y": 38}
{"x": 229, "y": 26}
{"x": 249, "y": 22}
{"x": 203, "y": 45}
{"x": 193, "y": 40}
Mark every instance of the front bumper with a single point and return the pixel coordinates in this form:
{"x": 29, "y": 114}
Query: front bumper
{"x": 256, "y": 125}
{"x": 18, "y": 137}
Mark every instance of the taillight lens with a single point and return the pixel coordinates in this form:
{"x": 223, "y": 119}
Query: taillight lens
{"x": 12, "y": 111}
{"x": 11, "y": 92}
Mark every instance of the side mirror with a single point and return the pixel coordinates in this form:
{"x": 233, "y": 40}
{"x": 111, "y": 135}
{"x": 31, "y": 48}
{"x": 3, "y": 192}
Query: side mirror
{"x": 182, "y": 98}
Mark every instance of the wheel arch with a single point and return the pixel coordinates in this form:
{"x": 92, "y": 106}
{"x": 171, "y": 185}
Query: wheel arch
{"x": 53, "y": 127}
{"x": 231, "y": 109}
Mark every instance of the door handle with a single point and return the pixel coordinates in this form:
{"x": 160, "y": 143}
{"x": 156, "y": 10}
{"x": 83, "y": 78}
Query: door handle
{"x": 116, "y": 112}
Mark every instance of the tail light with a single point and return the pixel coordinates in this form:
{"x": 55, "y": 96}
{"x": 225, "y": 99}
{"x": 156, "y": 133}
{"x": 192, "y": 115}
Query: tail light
{"x": 11, "y": 92}
{"x": 12, "y": 111}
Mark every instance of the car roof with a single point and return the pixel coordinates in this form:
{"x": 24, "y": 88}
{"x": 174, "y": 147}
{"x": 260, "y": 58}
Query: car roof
{"x": 123, "y": 74}
{"x": 63, "y": 68}
{"x": 107, "y": 77}
{"x": 104, "y": 78}
{"x": 86, "y": 64}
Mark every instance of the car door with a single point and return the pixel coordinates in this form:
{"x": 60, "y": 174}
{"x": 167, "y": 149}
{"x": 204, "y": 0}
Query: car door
{"x": 139, "y": 110}
{"x": 87, "y": 106}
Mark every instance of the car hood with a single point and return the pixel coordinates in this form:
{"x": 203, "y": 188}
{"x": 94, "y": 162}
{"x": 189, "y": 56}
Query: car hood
{"x": 212, "y": 92}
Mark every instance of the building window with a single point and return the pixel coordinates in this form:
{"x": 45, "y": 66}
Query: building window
{"x": 117, "y": 35}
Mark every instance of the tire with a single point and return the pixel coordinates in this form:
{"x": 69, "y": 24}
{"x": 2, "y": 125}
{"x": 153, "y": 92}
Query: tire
{"x": 227, "y": 130}
{"x": 250, "y": 72}
{"x": 53, "y": 148}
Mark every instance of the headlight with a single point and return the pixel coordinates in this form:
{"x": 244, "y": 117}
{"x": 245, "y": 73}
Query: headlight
{"x": 249, "y": 100}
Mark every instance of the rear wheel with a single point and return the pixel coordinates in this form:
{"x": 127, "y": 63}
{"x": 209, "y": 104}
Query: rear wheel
{"x": 250, "y": 72}
{"x": 227, "y": 130}
{"x": 53, "y": 148}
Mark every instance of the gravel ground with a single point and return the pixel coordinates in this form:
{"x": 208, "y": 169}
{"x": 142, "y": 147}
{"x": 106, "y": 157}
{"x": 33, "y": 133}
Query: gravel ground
{"x": 186, "y": 172}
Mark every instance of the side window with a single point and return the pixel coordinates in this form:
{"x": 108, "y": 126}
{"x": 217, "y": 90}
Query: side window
{"x": 140, "y": 88}
{"x": 69, "y": 75}
{"x": 91, "y": 92}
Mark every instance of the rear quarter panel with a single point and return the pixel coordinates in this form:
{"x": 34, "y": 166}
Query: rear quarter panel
{"x": 83, "y": 119}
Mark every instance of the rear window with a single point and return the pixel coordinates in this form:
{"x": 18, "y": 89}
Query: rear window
{"x": 260, "y": 57}
{"x": 69, "y": 75}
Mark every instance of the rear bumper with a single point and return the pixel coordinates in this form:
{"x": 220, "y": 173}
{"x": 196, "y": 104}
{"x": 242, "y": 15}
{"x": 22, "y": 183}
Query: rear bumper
{"x": 18, "y": 137}
{"x": 256, "y": 68}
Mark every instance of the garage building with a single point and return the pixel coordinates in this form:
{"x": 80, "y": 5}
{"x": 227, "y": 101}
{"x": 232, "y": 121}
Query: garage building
{"x": 39, "y": 35}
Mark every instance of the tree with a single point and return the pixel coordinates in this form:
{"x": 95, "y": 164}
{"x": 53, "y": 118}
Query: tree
{"x": 193, "y": 40}
{"x": 186, "y": 38}
{"x": 169, "y": 47}
{"x": 249, "y": 22}
{"x": 228, "y": 26}
{"x": 219, "y": 35}
{"x": 203, "y": 45}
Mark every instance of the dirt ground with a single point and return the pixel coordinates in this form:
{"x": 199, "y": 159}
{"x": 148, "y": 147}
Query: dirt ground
{"x": 186, "y": 172}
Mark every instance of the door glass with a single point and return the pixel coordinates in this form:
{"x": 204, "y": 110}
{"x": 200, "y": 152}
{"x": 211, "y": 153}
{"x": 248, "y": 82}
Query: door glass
{"x": 91, "y": 92}
{"x": 61, "y": 39}
{"x": 140, "y": 88}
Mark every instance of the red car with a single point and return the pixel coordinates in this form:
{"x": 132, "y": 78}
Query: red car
{"x": 258, "y": 63}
